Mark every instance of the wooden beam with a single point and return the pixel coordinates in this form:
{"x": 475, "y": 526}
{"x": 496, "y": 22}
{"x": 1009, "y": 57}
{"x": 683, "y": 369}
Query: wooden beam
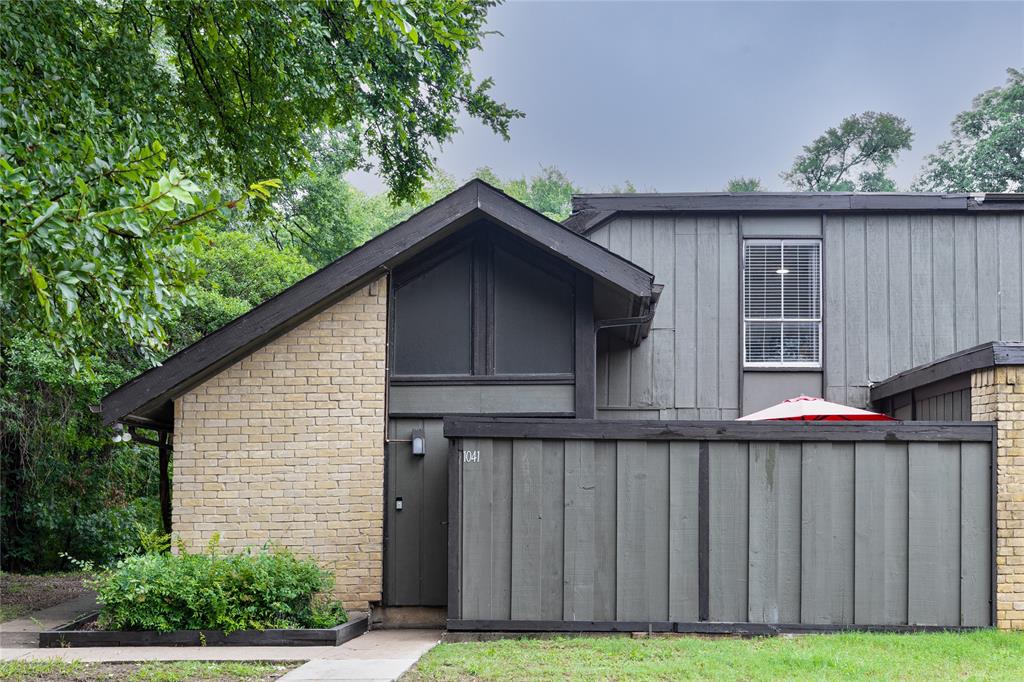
{"x": 596, "y": 429}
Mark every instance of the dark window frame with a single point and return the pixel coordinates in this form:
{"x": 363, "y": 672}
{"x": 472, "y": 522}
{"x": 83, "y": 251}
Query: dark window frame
{"x": 483, "y": 240}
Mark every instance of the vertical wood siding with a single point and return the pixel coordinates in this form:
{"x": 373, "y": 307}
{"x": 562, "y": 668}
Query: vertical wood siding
{"x": 826, "y": 533}
{"x": 688, "y": 368}
{"x": 899, "y": 290}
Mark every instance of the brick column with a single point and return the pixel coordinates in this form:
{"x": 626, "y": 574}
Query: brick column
{"x": 997, "y": 395}
{"x": 287, "y": 446}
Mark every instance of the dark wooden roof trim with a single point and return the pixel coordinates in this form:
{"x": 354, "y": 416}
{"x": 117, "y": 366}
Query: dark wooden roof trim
{"x": 473, "y": 201}
{"x": 978, "y": 357}
{"x": 610, "y": 429}
{"x": 591, "y": 210}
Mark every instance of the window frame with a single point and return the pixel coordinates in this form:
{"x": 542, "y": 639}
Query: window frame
{"x": 782, "y": 320}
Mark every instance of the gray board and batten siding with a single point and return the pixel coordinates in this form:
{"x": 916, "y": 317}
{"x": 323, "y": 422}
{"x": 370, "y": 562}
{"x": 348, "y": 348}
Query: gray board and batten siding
{"x": 899, "y": 290}
{"x": 688, "y": 526}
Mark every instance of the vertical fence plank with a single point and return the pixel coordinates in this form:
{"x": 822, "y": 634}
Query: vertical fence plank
{"x": 631, "y": 545}
{"x": 683, "y": 600}
{"x": 975, "y": 534}
{"x": 578, "y": 592}
{"x": 605, "y": 529}
{"x": 774, "y": 553}
{"x": 727, "y": 598}
{"x": 880, "y": 549}
{"x": 933, "y": 596}
{"x": 552, "y": 528}
{"x": 476, "y": 531}
{"x": 501, "y": 529}
{"x": 527, "y": 461}
{"x": 656, "y": 528}
{"x": 826, "y": 587}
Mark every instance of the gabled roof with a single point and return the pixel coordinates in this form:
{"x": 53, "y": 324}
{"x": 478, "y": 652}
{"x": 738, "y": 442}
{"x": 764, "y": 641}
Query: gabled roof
{"x": 150, "y": 393}
{"x": 591, "y": 210}
{"x": 982, "y": 356}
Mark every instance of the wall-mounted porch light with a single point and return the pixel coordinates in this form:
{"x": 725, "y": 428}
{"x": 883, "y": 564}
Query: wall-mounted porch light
{"x": 419, "y": 442}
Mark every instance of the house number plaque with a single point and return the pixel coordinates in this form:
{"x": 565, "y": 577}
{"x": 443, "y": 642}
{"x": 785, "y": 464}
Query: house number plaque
{"x": 471, "y": 456}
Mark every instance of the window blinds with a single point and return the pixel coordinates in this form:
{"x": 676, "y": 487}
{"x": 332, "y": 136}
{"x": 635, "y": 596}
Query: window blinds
{"x": 782, "y": 302}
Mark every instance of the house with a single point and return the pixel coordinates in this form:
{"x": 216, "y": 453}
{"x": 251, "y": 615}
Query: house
{"x": 324, "y": 418}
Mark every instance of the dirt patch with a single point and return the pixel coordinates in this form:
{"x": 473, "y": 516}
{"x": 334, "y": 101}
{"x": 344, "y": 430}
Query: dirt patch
{"x": 162, "y": 671}
{"x": 23, "y": 594}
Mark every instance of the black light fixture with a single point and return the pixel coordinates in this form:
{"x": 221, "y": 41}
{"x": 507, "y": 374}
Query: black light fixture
{"x": 419, "y": 442}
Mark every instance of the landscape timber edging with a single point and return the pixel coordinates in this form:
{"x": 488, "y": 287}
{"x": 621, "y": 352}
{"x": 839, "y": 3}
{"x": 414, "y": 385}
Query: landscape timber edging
{"x": 69, "y": 636}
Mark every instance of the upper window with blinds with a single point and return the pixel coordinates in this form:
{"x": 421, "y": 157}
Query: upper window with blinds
{"x": 782, "y": 303}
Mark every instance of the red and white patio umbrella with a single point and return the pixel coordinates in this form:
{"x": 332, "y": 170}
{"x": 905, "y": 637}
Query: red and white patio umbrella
{"x": 807, "y": 408}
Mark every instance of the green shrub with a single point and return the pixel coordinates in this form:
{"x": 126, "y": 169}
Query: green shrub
{"x": 252, "y": 590}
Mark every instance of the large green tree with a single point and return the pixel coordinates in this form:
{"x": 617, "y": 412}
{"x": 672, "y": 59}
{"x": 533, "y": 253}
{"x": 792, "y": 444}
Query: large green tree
{"x": 986, "y": 152}
{"x": 853, "y": 156}
{"x": 125, "y": 126}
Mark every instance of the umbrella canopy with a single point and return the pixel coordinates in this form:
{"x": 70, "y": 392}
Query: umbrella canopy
{"x": 806, "y": 408}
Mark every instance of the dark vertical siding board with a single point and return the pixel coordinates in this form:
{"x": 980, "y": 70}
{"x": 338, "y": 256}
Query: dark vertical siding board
{"x": 729, "y": 470}
{"x": 943, "y": 286}
{"x": 855, "y": 319}
{"x": 774, "y": 555}
{"x": 683, "y": 527}
{"x": 1011, "y": 309}
{"x": 834, "y": 311}
{"x": 708, "y": 341}
{"x": 686, "y": 313}
{"x": 965, "y": 269}
{"x": 605, "y": 529}
{"x": 900, "y": 295}
{"x": 922, "y": 321}
{"x": 728, "y": 316}
{"x": 934, "y": 534}
{"x": 619, "y": 370}
{"x": 988, "y": 278}
{"x": 826, "y": 588}
{"x": 527, "y": 529}
{"x": 664, "y": 269}
{"x": 975, "y": 534}
{"x": 880, "y": 548}
{"x": 552, "y": 528}
{"x": 877, "y": 282}
{"x": 662, "y": 342}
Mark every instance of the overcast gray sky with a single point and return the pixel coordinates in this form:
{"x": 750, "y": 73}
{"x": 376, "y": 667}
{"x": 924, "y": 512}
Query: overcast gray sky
{"x": 683, "y": 96}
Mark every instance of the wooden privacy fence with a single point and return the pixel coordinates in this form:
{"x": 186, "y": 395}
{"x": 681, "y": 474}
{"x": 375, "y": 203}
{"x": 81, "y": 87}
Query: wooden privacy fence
{"x": 719, "y": 526}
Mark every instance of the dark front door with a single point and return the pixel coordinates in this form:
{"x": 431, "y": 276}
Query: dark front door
{"x": 416, "y": 541}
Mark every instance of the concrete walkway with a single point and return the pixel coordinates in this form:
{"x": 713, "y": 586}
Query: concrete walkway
{"x": 22, "y": 633}
{"x": 377, "y": 655}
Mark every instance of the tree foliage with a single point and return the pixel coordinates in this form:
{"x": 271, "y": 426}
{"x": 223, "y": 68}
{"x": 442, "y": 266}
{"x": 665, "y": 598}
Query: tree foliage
{"x": 853, "y": 156}
{"x": 986, "y": 152}
{"x": 742, "y": 184}
{"x": 115, "y": 116}
{"x": 549, "y": 191}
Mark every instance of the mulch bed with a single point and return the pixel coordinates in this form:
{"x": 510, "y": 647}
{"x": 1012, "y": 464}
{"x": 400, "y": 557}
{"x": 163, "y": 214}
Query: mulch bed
{"x": 23, "y": 594}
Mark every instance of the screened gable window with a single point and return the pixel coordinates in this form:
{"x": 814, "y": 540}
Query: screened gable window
{"x": 782, "y": 303}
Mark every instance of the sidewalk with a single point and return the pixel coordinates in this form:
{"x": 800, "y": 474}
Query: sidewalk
{"x": 377, "y": 655}
{"x": 22, "y": 633}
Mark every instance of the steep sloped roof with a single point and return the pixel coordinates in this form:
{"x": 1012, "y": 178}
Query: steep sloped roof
{"x": 149, "y": 395}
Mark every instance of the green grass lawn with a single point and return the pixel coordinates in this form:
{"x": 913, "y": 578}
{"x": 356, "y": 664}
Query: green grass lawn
{"x": 985, "y": 655}
{"x": 160, "y": 671}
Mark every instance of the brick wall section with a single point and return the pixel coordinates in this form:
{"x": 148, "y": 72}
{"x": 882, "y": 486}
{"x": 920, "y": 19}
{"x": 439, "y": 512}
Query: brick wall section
{"x": 997, "y": 394}
{"x": 288, "y": 445}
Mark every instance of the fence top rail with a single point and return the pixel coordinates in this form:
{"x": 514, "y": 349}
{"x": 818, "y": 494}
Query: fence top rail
{"x": 605, "y": 429}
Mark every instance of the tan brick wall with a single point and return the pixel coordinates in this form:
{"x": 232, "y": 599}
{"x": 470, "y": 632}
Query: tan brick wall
{"x": 287, "y": 445}
{"x": 997, "y": 394}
